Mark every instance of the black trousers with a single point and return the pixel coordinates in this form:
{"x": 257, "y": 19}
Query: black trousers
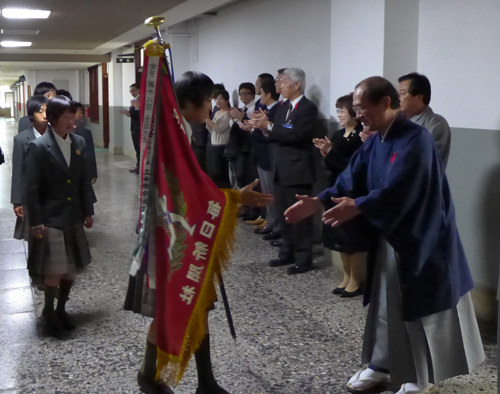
{"x": 136, "y": 135}
{"x": 297, "y": 238}
{"x": 217, "y": 167}
{"x": 201, "y": 155}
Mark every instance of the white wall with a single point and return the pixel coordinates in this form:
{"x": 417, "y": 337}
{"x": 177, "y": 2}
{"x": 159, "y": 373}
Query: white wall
{"x": 457, "y": 50}
{"x": 357, "y": 45}
{"x": 251, "y": 38}
{"x": 50, "y": 75}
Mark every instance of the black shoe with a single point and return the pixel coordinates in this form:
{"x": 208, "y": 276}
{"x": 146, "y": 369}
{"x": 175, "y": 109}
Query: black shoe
{"x": 52, "y": 323}
{"x": 350, "y": 294}
{"x": 299, "y": 269}
{"x": 263, "y": 231}
{"x": 152, "y": 386}
{"x": 135, "y": 169}
{"x": 272, "y": 237}
{"x": 338, "y": 290}
{"x": 279, "y": 262}
{"x": 278, "y": 243}
{"x": 66, "y": 320}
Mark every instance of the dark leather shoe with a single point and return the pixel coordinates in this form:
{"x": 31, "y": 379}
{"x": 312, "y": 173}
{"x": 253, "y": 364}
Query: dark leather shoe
{"x": 278, "y": 243}
{"x": 263, "y": 231}
{"x": 135, "y": 169}
{"x": 338, "y": 290}
{"x": 350, "y": 294}
{"x": 299, "y": 269}
{"x": 152, "y": 386}
{"x": 279, "y": 262}
{"x": 66, "y": 320}
{"x": 272, "y": 237}
{"x": 52, "y": 323}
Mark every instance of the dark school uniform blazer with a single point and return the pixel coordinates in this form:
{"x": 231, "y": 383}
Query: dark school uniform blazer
{"x": 21, "y": 143}
{"x": 90, "y": 149}
{"x": 24, "y": 123}
{"x": 261, "y": 148}
{"x": 292, "y": 154}
{"x": 57, "y": 195}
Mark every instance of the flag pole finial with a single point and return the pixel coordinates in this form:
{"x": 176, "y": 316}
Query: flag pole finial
{"x": 155, "y": 22}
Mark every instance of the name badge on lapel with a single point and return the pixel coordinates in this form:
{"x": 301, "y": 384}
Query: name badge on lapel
{"x": 288, "y": 126}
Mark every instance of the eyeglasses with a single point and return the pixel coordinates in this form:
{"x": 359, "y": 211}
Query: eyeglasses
{"x": 245, "y": 93}
{"x": 341, "y": 111}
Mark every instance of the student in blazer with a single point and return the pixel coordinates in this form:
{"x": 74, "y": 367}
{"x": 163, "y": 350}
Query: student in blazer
{"x": 60, "y": 202}
{"x": 36, "y": 105}
{"x": 46, "y": 89}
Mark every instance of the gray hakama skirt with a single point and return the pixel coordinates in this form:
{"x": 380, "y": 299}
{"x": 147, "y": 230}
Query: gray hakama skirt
{"x": 60, "y": 252}
{"x": 22, "y": 229}
{"x": 426, "y": 350}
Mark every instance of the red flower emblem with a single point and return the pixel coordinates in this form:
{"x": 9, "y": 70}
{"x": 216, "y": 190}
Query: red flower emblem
{"x": 394, "y": 156}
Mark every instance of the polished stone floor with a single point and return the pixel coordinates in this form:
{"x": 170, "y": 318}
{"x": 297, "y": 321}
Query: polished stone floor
{"x": 294, "y": 336}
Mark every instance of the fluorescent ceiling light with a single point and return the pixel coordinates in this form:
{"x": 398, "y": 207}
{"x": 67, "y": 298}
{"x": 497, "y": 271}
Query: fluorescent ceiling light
{"x": 23, "y": 13}
{"x": 15, "y": 44}
{"x": 20, "y": 32}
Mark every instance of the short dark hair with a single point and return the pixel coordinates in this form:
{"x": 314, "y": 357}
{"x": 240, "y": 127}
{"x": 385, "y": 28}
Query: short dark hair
{"x": 58, "y": 106}
{"x": 135, "y": 85}
{"x": 195, "y": 88}
{"x": 282, "y": 70}
{"x": 224, "y": 93}
{"x": 247, "y": 85}
{"x": 376, "y": 88}
{"x": 420, "y": 84}
{"x": 44, "y": 87}
{"x": 346, "y": 102}
{"x": 35, "y": 104}
{"x": 265, "y": 76}
{"x": 62, "y": 92}
{"x": 268, "y": 86}
{"x": 79, "y": 106}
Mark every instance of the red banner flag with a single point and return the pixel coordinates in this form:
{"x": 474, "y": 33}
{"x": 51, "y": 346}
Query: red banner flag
{"x": 186, "y": 225}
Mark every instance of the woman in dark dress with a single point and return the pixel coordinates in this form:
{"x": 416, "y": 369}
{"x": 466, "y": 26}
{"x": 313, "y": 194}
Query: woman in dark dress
{"x": 337, "y": 153}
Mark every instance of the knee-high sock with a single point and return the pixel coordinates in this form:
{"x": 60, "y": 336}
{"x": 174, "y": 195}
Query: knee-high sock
{"x": 204, "y": 364}
{"x": 50, "y": 295}
{"x": 64, "y": 290}
{"x": 148, "y": 368}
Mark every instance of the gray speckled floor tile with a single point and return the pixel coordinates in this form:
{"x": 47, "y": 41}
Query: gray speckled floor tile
{"x": 294, "y": 336}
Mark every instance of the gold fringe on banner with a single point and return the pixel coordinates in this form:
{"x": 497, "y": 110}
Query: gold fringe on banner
{"x": 171, "y": 366}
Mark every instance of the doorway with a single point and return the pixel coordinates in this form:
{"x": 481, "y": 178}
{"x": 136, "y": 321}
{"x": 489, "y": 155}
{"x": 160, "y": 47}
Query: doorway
{"x": 9, "y": 102}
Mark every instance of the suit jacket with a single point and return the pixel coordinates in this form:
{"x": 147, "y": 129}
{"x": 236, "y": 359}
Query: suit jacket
{"x": 439, "y": 129}
{"x": 24, "y": 123}
{"x": 292, "y": 154}
{"x": 90, "y": 150}
{"x": 57, "y": 195}
{"x": 135, "y": 119}
{"x": 21, "y": 143}
{"x": 261, "y": 148}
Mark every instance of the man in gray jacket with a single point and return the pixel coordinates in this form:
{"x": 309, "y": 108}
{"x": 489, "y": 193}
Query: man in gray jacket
{"x": 415, "y": 94}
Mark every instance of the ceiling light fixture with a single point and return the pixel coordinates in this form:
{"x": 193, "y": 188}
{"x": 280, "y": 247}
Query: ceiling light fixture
{"x": 20, "y": 32}
{"x": 23, "y": 13}
{"x": 15, "y": 44}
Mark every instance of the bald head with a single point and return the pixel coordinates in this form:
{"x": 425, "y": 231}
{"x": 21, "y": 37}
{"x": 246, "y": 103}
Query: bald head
{"x": 376, "y": 89}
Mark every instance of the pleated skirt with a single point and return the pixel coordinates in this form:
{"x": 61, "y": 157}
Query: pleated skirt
{"x": 450, "y": 340}
{"x": 61, "y": 251}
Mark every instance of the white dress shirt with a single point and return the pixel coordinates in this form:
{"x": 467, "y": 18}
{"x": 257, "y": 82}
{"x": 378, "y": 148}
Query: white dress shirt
{"x": 37, "y": 134}
{"x": 65, "y": 146}
{"x": 188, "y": 129}
{"x": 219, "y": 133}
{"x": 250, "y": 110}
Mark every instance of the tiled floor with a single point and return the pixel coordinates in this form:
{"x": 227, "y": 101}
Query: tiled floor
{"x": 294, "y": 336}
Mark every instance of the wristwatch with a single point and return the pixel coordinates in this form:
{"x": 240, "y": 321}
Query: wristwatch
{"x": 270, "y": 127}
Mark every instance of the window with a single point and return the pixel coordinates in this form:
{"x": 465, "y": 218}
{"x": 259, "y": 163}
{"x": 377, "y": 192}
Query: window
{"x": 94, "y": 94}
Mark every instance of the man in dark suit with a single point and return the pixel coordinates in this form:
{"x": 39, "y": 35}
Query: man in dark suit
{"x": 60, "y": 202}
{"x": 46, "y": 89}
{"x": 293, "y": 167}
{"x": 36, "y": 106}
{"x": 261, "y": 150}
{"x": 135, "y": 123}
